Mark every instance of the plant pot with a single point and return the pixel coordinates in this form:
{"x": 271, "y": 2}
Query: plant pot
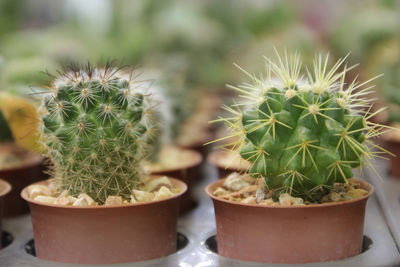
{"x": 187, "y": 170}
{"x": 105, "y": 234}
{"x": 393, "y": 145}
{"x": 195, "y": 141}
{"x": 289, "y": 234}
{"x": 228, "y": 162}
{"x": 19, "y": 177}
{"x": 5, "y": 188}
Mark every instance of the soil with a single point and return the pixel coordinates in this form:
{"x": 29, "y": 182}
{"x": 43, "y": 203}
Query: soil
{"x": 150, "y": 190}
{"x": 248, "y": 190}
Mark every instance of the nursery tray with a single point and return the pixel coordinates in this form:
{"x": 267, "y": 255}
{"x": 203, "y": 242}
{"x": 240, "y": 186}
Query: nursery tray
{"x": 388, "y": 195}
{"x": 198, "y": 247}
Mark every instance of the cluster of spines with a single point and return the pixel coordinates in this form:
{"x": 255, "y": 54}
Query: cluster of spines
{"x": 95, "y": 130}
{"x": 303, "y": 133}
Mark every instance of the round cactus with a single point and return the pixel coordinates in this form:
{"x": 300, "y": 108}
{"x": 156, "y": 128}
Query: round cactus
{"x": 95, "y": 127}
{"x": 303, "y": 133}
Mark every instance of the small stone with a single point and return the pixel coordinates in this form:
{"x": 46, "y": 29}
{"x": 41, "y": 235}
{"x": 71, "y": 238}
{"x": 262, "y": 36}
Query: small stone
{"x": 113, "y": 201}
{"x": 65, "y": 200}
{"x": 268, "y": 202}
{"x": 133, "y": 200}
{"x": 163, "y": 193}
{"x": 142, "y": 196}
{"x": 157, "y": 183}
{"x": 219, "y": 192}
{"x": 249, "y": 200}
{"x": 357, "y": 193}
{"x": 84, "y": 200}
{"x": 287, "y": 200}
{"x": 260, "y": 194}
{"x": 235, "y": 182}
{"x": 45, "y": 199}
{"x": 36, "y": 190}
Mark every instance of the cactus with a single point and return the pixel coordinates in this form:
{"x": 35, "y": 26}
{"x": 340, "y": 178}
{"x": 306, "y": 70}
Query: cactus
{"x": 94, "y": 130}
{"x": 303, "y": 134}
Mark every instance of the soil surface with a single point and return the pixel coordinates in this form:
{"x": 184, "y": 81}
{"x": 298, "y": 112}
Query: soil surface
{"x": 248, "y": 190}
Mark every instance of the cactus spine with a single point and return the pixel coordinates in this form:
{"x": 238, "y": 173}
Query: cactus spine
{"x": 303, "y": 133}
{"x": 94, "y": 130}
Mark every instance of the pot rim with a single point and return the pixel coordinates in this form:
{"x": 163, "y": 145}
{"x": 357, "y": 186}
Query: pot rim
{"x": 196, "y": 156}
{"x": 369, "y": 187}
{"x": 175, "y": 181}
{"x": 33, "y": 159}
{"x": 216, "y": 154}
{"x": 5, "y": 186}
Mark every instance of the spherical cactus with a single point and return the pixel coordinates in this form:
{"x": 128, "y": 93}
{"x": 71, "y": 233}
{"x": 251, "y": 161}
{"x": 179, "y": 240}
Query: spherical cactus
{"x": 303, "y": 133}
{"x": 94, "y": 130}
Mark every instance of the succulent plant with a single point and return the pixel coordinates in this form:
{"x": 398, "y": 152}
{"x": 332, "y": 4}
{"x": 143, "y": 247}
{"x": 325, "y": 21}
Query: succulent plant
{"x": 303, "y": 133}
{"x": 95, "y": 127}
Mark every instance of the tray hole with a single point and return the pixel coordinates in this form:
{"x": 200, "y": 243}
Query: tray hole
{"x": 6, "y": 239}
{"x": 212, "y": 245}
{"x": 181, "y": 242}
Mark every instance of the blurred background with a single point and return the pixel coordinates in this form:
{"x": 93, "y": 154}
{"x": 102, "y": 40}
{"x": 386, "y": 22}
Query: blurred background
{"x": 188, "y": 47}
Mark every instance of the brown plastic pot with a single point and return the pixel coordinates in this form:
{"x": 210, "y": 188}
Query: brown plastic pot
{"x": 105, "y": 234}
{"x": 218, "y": 159}
{"x": 292, "y": 234}
{"x": 188, "y": 172}
{"x": 19, "y": 177}
{"x": 393, "y": 147}
{"x": 5, "y": 188}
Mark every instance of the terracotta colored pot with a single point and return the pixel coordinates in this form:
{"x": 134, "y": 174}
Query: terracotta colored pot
{"x": 292, "y": 234}
{"x": 187, "y": 171}
{"x": 220, "y": 158}
{"x": 393, "y": 147}
{"x": 5, "y": 188}
{"x": 19, "y": 177}
{"x": 105, "y": 234}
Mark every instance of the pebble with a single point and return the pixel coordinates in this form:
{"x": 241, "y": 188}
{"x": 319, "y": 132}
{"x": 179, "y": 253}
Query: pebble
{"x": 163, "y": 193}
{"x": 142, "y": 196}
{"x": 36, "y": 190}
{"x": 84, "y": 200}
{"x": 113, "y": 201}
{"x": 45, "y": 199}
{"x": 235, "y": 182}
{"x": 287, "y": 200}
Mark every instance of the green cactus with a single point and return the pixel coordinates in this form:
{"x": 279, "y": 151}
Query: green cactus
{"x": 302, "y": 134}
{"x": 94, "y": 128}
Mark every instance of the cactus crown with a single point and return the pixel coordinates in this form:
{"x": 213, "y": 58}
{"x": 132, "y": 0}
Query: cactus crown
{"x": 303, "y": 133}
{"x": 95, "y": 127}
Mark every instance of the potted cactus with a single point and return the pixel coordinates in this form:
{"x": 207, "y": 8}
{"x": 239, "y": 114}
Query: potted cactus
{"x": 99, "y": 206}
{"x": 19, "y": 165}
{"x": 303, "y": 136}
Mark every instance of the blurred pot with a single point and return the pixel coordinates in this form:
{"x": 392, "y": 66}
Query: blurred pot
{"x": 105, "y": 234}
{"x": 289, "y": 234}
{"x": 228, "y": 162}
{"x": 20, "y": 176}
{"x": 5, "y": 188}
{"x": 184, "y": 165}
